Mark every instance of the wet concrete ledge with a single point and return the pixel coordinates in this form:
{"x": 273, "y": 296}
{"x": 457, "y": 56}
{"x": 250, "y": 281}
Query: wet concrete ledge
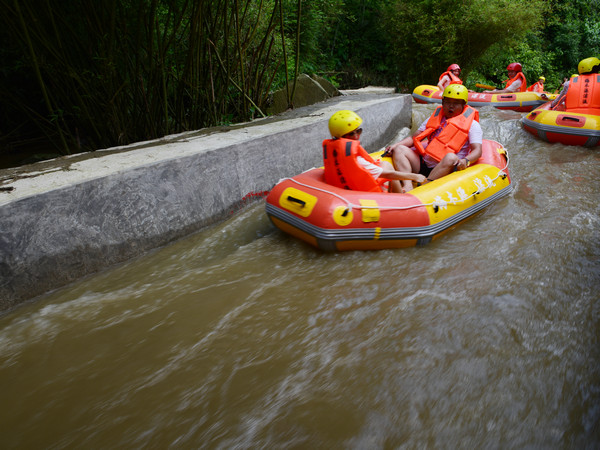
{"x": 70, "y": 217}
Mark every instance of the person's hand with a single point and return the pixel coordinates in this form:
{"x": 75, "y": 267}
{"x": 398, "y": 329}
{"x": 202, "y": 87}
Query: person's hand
{"x": 389, "y": 151}
{"x": 461, "y": 164}
{"x": 420, "y": 178}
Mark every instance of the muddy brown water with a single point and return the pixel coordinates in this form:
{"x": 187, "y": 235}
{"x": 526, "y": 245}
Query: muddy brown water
{"x": 243, "y": 337}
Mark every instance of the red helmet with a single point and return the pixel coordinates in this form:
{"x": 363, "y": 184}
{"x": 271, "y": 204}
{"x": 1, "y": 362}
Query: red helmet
{"x": 454, "y": 67}
{"x": 515, "y": 66}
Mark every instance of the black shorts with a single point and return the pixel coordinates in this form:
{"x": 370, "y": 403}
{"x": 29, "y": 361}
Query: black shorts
{"x": 424, "y": 170}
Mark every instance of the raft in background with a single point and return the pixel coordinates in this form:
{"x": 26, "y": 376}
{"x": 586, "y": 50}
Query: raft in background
{"x": 518, "y": 101}
{"x": 565, "y": 127}
{"x": 334, "y": 219}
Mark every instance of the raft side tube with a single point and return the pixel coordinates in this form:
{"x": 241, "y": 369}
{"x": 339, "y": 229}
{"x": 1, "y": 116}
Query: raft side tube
{"x": 518, "y": 101}
{"x": 565, "y": 127}
{"x": 423, "y": 234}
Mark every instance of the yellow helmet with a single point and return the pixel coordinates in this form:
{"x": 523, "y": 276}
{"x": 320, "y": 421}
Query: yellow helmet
{"x": 587, "y": 65}
{"x": 457, "y": 91}
{"x": 543, "y": 78}
{"x": 343, "y": 122}
{"x": 575, "y": 75}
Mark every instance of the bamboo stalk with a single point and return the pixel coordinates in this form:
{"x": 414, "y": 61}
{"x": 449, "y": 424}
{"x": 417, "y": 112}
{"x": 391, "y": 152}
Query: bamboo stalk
{"x": 297, "y": 59}
{"x": 127, "y": 71}
{"x": 287, "y": 81}
{"x": 238, "y": 87}
{"x": 38, "y": 74}
{"x": 240, "y": 52}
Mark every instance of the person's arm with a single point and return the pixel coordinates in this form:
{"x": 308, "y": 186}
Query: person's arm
{"x": 561, "y": 96}
{"x": 407, "y": 142}
{"x": 395, "y": 175}
{"x": 443, "y": 82}
{"x": 514, "y": 87}
{"x": 472, "y": 157}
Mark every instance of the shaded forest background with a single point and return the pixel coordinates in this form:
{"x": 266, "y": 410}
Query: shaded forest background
{"x": 87, "y": 74}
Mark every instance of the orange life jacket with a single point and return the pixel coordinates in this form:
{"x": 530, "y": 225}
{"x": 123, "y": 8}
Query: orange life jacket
{"x": 518, "y": 76}
{"x": 450, "y": 137}
{"x": 536, "y": 87}
{"x": 583, "y": 92}
{"x": 343, "y": 171}
{"x": 453, "y": 78}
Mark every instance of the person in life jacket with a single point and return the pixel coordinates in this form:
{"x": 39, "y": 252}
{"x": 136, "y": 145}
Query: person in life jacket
{"x": 349, "y": 166}
{"x": 538, "y": 86}
{"x": 516, "y": 80}
{"x": 582, "y": 90}
{"x": 450, "y": 76}
{"x": 449, "y": 140}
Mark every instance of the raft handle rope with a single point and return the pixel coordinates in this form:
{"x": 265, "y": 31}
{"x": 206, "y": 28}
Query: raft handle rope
{"x": 435, "y": 205}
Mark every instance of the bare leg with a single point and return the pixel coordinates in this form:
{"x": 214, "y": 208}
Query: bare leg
{"x": 444, "y": 167}
{"x": 406, "y": 160}
{"x": 394, "y": 185}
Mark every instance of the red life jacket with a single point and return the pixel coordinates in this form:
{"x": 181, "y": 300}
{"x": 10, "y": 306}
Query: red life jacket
{"x": 453, "y": 78}
{"x": 343, "y": 171}
{"x": 518, "y": 76}
{"x": 536, "y": 87}
{"x": 583, "y": 92}
{"x": 450, "y": 137}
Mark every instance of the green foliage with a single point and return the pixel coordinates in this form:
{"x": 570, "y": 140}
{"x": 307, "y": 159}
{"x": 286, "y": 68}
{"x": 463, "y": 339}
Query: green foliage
{"x": 570, "y": 33}
{"x": 427, "y": 36}
{"x": 87, "y": 74}
{"x": 95, "y": 73}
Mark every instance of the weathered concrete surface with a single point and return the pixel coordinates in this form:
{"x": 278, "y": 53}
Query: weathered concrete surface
{"x": 74, "y": 216}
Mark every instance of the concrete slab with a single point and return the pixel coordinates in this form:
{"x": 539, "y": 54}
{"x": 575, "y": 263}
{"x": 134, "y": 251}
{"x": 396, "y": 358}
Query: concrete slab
{"x": 66, "y": 218}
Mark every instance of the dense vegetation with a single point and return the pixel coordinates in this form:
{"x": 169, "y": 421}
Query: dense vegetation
{"x": 87, "y": 74}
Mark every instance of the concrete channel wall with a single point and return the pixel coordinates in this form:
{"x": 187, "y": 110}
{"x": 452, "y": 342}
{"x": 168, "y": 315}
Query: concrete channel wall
{"x": 70, "y": 217}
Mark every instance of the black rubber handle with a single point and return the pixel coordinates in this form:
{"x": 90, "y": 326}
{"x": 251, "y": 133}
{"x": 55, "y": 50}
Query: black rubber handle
{"x": 302, "y": 203}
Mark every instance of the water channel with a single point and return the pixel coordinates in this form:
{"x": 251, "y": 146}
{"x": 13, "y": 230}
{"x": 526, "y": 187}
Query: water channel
{"x": 243, "y": 337}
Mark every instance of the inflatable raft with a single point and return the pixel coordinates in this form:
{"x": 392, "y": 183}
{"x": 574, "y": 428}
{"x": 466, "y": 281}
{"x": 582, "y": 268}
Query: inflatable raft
{"x": 566, "y": 127}
{"x": 519, "y": 101}
{"x": 334, "y": 219}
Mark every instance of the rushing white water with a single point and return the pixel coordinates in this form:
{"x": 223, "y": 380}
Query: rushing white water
{"x": 241, "y": 336}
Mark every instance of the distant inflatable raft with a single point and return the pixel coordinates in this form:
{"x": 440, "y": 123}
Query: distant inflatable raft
{"x": 334, "y": 219}
{"x": 565, "y": 127}
{"x": 519, "y": 101}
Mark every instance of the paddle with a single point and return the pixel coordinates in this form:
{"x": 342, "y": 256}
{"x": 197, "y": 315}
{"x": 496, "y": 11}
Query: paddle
{"x": 484, "y": 86}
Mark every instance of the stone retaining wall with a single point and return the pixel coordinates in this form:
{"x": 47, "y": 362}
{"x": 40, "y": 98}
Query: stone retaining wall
{"x": 70, "y": 217}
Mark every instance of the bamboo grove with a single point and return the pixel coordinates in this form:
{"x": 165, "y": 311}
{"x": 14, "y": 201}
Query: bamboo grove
{"x": 117, "y": 71}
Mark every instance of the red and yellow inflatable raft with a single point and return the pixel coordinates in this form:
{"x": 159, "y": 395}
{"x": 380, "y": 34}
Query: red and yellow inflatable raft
{"x": 566, "y": 127}
{"x": 518, "y": 101}
{"x": 335, "y": 219}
